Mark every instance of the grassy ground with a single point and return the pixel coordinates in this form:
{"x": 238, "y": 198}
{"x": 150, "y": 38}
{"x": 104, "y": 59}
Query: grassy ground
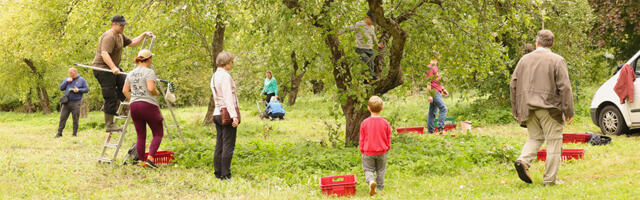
{"x": 34, "y": 165}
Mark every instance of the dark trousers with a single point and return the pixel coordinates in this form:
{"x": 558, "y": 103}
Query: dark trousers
{"x": 143, "y": 113}
{"x": 225, "y": 145}
{"x": 367, "y": 56}
{"x": 268, "y": 99}
{"x": 111, "y": 90}
{"x": 72, "y": 107}
{"x": 276, "y": 115}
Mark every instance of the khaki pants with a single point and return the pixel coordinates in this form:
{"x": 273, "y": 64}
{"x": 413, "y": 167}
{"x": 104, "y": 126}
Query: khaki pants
{"x": 544, "y": 125}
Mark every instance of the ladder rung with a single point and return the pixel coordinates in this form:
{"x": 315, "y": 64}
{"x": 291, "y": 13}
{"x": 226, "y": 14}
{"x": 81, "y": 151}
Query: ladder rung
{"x": 124, "y": 103}
{"x": 121, "y": 117}
{"x": 172, "y": 125}
{"x": 111, "y": 145}
{"x": 105, "y": 160}
{"x": 118, "y": 131}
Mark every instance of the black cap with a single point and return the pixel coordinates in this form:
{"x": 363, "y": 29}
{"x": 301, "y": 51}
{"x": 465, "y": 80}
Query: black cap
{"x": 119, "y": 19}
{"x": 371, "y": 16}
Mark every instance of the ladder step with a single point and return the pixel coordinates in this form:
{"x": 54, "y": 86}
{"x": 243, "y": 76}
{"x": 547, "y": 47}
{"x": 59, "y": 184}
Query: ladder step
{"x": 107, "y": 160}
{"x": 124, "y": 103}
{"x": 172, "y": 125}
{"x": 111, "y": 145}
{"x": 121, "y": 117}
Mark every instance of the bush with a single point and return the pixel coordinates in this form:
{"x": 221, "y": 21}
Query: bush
{"x": 305, "y": 161}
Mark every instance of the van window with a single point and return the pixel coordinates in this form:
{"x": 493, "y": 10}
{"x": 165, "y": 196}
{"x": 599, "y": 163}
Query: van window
{"x": 635, "y": 64}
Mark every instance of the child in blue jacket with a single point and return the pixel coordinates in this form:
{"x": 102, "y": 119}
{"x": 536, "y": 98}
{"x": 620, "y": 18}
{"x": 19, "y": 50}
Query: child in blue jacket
{"x": 274, "y": 109}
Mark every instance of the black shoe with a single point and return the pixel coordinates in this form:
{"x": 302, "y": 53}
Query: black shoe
{"x": 58, "y": 135}
{"x": 523, "y": 172}
{"x": 75, "y": 135}
{"x": 151, "y": 164}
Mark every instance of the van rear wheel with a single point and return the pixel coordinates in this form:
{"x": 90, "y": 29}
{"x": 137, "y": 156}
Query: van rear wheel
{"x": 611, "y": 121}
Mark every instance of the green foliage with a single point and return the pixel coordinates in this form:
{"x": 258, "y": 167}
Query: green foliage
{"x": 418, "y": 155}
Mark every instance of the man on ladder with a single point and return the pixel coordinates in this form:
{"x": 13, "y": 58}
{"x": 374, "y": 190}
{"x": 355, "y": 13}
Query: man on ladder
{"x": 108, "y": 56}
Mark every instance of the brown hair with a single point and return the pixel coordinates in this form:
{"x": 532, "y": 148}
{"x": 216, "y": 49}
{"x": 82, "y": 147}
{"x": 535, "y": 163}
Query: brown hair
{"x": 375, "y": 104}
{"x": 141, "y": 59}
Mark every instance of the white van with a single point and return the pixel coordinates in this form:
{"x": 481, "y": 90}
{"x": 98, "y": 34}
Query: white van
{"x": 606, "y": 110}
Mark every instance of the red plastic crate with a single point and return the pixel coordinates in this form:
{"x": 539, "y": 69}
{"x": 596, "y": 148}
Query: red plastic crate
{"x": 449, "y": 127}
{"x": 162, "y": 157}
{"x": 567, "y": 154}
{"x": 575, "y": 138}
{"x": 419, "y": 130}
{"x": 342, "y": 185}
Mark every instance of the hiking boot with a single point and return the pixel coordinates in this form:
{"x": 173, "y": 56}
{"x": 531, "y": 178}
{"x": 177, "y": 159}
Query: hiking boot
{"x": 58, "y": 135}
{"x": 372, "y": 188}
{"x": 150, "y": 163}
{"x": 109, "y": 124}
{"x": 523, "y": 171}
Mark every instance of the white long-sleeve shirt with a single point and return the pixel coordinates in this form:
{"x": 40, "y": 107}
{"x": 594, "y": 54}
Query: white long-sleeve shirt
{"x": 224, "y": 92}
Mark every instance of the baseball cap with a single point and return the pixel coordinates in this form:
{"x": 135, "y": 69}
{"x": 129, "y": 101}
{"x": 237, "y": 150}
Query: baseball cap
{"x": 371, "y": 16}
{"x": 145, "y": 53}
{"x": 119, "y": 19}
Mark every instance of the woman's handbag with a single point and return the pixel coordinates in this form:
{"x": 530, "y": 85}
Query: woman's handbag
{"x": 226, "y": 119}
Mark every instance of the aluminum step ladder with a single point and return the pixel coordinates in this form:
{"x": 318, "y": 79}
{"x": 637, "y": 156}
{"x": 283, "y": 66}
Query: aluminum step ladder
{"x": 124, "y": 107}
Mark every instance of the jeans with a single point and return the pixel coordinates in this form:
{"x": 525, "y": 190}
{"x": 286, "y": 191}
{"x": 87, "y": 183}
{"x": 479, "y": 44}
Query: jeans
{"x": 143, "y": 113}
{"x": 367, "y": 56}
{"x": 72, "y": 107}
{"x": 438, "y": 104}
{"x": 225, "y": 145}
{"x": 375, "y": 164}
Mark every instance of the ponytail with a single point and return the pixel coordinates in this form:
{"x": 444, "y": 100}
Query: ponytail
{"x": 141, "y": 59}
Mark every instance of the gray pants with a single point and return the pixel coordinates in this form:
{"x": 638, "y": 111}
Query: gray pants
{"x": 367, "y": 56}
{"x": 71, "y": 107}
{"x": 375, "y": 164}
{"x": 544, "y": 125}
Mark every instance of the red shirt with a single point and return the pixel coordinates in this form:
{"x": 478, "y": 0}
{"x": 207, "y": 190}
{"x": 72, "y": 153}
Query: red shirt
{"x": 375, "y": 136}
{"x": 434, "y": 83}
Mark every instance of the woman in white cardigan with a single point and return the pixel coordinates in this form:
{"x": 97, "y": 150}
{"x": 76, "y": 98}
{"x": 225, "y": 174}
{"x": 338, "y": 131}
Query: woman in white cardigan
{"x": 224, "y": 95}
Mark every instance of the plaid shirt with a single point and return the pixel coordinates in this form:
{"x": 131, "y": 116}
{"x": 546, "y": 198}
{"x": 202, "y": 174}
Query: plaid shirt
{"x": 434, "y": 76}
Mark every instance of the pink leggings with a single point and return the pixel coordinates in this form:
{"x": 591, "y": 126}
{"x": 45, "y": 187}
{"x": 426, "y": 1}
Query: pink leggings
{"x": 143, "y": 113}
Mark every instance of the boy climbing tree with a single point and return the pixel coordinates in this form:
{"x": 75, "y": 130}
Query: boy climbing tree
{"x": 365, "y": 40}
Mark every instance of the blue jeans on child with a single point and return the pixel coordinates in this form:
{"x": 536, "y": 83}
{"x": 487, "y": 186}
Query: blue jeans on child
{"x": 438, "y": 104}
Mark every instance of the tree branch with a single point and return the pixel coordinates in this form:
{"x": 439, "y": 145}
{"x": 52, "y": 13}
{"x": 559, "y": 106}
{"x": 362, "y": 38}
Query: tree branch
{"x": 407, "y": 14}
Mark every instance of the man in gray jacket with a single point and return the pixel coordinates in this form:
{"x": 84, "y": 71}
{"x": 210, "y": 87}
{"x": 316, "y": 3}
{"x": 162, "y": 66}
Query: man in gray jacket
{"x": 542, "y": 100}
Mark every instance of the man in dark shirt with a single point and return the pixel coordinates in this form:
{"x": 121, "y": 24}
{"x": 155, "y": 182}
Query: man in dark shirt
{"x": 108, "y": 56}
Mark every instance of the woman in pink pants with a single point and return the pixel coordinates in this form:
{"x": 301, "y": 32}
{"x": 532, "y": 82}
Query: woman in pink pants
{"x": 140, "y": 89}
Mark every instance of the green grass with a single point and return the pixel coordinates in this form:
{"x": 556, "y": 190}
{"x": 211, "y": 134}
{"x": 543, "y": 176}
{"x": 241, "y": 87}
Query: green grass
{"x": 284, "y": 160}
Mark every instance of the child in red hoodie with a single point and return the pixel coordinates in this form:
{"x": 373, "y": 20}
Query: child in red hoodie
{"x": 375, "y": 141}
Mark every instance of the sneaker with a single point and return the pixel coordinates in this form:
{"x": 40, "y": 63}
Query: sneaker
{"x": 150, "y": 163}
{"x": 58, "y": 135}
{"x": 372, "y": 188}
{"x": 523, "y": 171}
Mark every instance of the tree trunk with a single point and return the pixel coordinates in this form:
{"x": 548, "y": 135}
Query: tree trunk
{"x": 296, "y": 78}
{"x": 218, "y": 45}
{"x": 42, "y": 92}
{"x": 354, "y": 117}
{"x": 84, "y": 108}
